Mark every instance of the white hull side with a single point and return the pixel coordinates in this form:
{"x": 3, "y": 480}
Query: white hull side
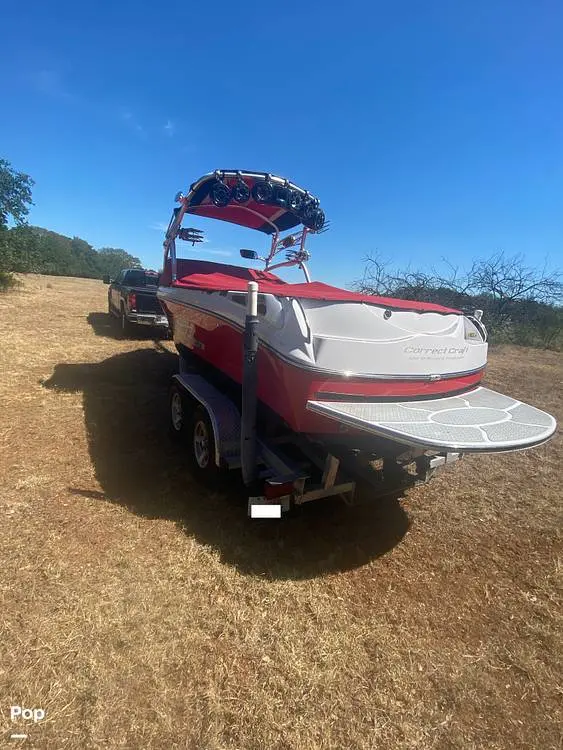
{"x": 351, "y": 338}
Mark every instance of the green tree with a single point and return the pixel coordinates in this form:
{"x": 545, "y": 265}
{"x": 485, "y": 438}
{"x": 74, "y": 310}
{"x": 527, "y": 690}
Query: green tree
{"x": 56, "y": 253}
{"x": 15, "y": 199}
{"x": 86, "y": 258}
{"x": 111, "y": 260}
{"x": 15, "y": 194}
{"x": 19, "y": 250}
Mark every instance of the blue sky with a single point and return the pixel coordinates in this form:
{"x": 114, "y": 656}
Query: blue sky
{"x": 428, "y": 130}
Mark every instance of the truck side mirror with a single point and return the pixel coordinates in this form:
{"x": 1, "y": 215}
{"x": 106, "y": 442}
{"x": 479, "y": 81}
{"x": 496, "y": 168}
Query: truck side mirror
{"x": 106, "y": 278}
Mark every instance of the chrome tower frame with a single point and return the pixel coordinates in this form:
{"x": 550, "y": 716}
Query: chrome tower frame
{"x": 278, "y": 244}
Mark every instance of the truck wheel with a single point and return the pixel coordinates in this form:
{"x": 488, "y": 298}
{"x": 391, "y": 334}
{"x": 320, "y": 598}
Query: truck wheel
{"x": 202, "y": 444}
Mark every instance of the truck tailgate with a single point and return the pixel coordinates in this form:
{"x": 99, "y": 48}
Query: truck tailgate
{"x": 148, "y": 303}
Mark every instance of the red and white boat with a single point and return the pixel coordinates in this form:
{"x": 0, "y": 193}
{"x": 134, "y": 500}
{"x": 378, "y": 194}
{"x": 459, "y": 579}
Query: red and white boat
{"x": 333, "y": 362}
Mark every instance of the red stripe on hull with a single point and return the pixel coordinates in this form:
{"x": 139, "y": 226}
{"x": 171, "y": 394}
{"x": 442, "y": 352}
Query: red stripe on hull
{"x": 299, "y": 386}
{"x": 285, "y": 387}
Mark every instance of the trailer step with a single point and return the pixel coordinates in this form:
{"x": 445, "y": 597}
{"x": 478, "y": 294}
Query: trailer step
{"x": 480, "y": 421}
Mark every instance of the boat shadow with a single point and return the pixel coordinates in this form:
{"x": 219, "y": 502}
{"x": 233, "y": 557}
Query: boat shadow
{"x": 137, "y": 466}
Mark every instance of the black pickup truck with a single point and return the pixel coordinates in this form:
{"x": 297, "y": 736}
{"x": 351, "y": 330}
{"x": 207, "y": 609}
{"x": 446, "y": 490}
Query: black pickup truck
{"x": 132, "y": 299}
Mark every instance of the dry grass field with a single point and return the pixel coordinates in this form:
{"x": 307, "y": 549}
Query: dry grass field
{"x": 143, "y": 611}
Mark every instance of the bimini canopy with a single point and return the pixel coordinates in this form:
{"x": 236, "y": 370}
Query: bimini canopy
{"x": 256, "y": 200}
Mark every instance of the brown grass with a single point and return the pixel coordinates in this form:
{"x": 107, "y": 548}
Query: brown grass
{"x": 142, "y": 611}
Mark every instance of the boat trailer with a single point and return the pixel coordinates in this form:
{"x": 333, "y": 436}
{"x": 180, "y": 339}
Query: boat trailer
{"x": 226, "y": 437}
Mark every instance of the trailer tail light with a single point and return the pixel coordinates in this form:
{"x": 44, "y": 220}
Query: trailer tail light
{"x": 132, "y": 300}
{"x": 273, "y": 490}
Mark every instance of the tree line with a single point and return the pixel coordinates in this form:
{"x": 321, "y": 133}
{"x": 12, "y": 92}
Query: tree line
{"x": 29, "y": 249}
{"x": 521, "y": 304}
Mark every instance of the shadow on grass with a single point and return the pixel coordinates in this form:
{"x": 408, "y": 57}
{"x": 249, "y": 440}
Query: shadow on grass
{"x": 104, "y": 324}
{"x": 125, "y": 406}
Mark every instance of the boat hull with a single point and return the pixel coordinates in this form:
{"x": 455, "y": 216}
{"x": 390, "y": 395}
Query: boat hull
{"x": 286, "y": 387}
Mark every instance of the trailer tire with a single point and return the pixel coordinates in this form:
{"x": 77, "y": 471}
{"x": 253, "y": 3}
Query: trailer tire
{"x": 178, "y": 414}
{"x": 202, "y": 444}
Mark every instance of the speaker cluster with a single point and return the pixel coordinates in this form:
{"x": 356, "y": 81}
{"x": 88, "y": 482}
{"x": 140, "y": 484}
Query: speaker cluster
{"x": 304, "y": 206}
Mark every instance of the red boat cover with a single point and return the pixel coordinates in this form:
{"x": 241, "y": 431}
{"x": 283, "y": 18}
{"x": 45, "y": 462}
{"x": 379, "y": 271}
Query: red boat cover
{"x": 219, "y": 277}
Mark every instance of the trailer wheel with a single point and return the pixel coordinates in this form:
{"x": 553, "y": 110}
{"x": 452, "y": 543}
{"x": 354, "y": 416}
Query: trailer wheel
{"x": 177, "y": 403}
{"x": 202, "y": 441}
